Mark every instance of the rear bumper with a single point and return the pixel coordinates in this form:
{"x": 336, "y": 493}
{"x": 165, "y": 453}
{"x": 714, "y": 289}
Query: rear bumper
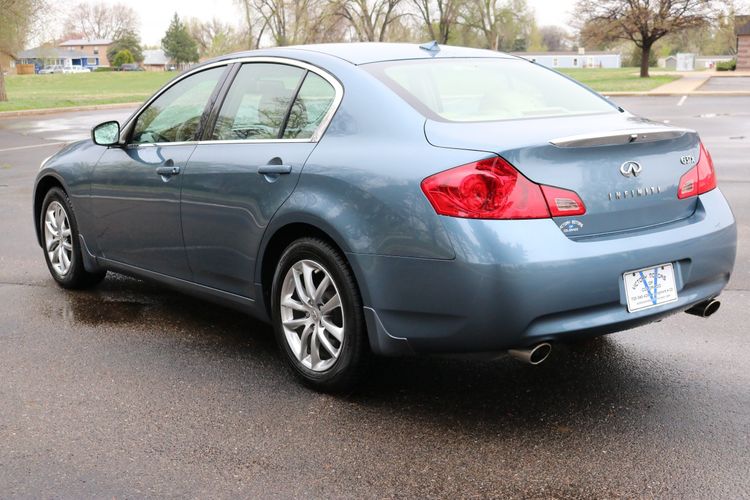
{"x": 516, "y": 283}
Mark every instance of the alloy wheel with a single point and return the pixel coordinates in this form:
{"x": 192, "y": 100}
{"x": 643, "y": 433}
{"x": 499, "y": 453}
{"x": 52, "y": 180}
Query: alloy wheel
{"x": 312, "y": 315}
{"x": 58, "y": 239}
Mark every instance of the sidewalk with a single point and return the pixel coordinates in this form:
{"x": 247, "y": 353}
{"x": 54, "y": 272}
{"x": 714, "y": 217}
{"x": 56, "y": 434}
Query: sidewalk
{"x": 690, "y": 84}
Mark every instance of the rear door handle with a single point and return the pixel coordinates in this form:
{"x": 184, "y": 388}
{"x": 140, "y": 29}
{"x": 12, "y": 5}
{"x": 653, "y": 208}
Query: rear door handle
{"x": 275, "y": 169}
{"x": 168, "y": 171}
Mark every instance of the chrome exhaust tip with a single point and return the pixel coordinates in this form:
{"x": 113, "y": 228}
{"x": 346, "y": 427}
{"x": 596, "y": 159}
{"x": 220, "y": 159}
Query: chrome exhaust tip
{"x": 533, "y": 355}
{"x": 705, "y": 309}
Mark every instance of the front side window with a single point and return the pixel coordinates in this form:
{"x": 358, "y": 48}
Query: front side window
{"x": 472, "y": 90}
{"x": 175, "y": 115}
{"x": 313, "y": 101}
{"x": 257, "y": 104}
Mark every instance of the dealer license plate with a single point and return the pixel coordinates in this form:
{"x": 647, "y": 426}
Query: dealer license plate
{"x": 650, "y": 287}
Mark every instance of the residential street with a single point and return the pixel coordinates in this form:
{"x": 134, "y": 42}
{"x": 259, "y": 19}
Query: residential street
{"x": 133, "y": 390}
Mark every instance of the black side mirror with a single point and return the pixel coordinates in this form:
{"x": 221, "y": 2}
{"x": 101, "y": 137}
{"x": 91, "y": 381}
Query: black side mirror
{"x": 106, "y": 134}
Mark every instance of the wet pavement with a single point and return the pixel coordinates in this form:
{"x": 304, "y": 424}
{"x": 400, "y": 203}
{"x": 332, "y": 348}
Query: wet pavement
{"x": 132, "y": 390}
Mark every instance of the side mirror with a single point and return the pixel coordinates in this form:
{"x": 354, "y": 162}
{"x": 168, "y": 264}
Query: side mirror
{"x": 106, "y": 134}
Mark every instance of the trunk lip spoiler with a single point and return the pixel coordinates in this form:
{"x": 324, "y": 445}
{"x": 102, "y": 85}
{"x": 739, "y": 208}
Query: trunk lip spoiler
{"x": 618, "y": 137}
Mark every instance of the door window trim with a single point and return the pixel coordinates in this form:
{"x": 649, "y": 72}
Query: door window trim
{"x": 217, "y": 99}
{"x": 127, "y": 130}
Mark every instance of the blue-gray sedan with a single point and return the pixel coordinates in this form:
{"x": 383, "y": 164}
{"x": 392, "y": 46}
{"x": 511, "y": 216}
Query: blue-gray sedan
{"x": 394, "y": 199}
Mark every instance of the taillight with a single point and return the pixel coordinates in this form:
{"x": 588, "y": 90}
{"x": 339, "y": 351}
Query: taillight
{"x": 493, "y": 189}
{"x": 699, "y": 179}
{"x": 562, "y": 202}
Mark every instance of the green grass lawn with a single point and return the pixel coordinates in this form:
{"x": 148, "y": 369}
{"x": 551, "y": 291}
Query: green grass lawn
{"x": 59, "y": 91}
{"x": 618, "y": 79}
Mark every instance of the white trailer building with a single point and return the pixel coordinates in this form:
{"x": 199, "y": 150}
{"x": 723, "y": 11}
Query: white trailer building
{"x": 574, "y": 59}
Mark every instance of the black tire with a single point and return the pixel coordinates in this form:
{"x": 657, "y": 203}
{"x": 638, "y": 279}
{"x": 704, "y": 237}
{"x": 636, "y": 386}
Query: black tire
{"x": 76, "y": 276}
{"x": 352, "y": 360}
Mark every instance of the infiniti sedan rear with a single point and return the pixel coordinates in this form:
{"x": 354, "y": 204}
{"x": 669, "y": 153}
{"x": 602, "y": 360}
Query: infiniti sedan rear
{"x": 394, "y": 199}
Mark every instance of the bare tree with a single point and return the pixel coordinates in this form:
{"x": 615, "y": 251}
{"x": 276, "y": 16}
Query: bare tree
{"x": 291, "y": 22}
{"x": 16, "y": 21}
{"x": 214, "y": 37}
{"x": 641, "y": 21}
{"x": 100, "y": 20}
{"x": 250, "y": 18}
{"x": 555, "y": 38}
{"x": 370, "y": 19}
{"x": 439, "y": 16}
{"x": 498, "y": 23}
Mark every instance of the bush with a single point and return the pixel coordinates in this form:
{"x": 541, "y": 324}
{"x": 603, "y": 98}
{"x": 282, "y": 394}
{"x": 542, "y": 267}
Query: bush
{"x": 102, "y": 69}
{"x": 123, "y": 57}
{"x": 727, "y": 65}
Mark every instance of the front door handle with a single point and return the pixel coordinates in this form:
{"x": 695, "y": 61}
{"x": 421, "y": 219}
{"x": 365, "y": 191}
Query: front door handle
{"x": 275, "y": 169}
{"x": 167, "y": 171}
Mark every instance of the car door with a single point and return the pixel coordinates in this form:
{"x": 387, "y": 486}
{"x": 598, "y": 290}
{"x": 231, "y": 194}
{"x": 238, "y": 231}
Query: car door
{"x": 266, "y": 127}
{"x": 135, "y": 190}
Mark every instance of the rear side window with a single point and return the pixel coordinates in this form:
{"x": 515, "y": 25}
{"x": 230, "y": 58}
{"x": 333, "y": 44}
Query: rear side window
{"x": 310, "y": 107}
{"x": 472, "y": 90}
{"x": 258, "y": 101}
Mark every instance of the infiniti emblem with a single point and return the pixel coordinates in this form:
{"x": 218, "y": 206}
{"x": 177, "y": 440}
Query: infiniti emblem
{"x": 631, "y": 169}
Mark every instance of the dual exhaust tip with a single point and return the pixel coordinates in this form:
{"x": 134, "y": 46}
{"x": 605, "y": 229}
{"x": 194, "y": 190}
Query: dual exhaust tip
{"x": 538, "y": 353}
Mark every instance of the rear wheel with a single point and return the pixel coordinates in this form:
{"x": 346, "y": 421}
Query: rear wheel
{"x": 62, "y": 248}
{"x": 317, "y": 315}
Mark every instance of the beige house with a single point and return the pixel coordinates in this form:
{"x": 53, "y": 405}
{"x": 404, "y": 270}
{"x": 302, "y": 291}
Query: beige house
{"x": 95, "y": 50}
{"x": 742, "y": 27}
{"x": 7, "y": 63}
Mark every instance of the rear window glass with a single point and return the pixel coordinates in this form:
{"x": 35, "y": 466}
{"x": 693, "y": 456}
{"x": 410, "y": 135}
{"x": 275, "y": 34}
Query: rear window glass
{"x": 472, "y": 90}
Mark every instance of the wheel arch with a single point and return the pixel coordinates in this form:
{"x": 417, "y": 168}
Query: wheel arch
{"x": 280, "y": 237}
{"x": 42, "y": 187}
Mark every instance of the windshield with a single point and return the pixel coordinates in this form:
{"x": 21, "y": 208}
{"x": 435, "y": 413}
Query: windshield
{"x": 472, "y": 90}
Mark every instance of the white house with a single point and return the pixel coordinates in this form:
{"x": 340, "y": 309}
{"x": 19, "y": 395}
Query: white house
{"x": 573, "y": 59}
{"x": 50, "y": 56}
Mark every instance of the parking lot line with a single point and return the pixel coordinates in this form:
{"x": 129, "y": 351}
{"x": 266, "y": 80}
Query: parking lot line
{"x": 33, "y": 146}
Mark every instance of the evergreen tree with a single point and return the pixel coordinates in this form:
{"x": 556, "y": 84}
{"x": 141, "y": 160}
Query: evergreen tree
{"x": 177, "y": 43}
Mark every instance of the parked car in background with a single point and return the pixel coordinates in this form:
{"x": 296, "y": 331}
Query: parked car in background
{"x": 75, "y": 69}
{"x": 49, "y": 70}
{"x": 394, "y": 199}
{"x": 130, "y": 67}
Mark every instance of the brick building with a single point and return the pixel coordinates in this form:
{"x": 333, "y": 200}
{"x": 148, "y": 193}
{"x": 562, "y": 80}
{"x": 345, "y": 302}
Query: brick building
{"x": 95, "y": 51}
{"x": 742, "y": 27}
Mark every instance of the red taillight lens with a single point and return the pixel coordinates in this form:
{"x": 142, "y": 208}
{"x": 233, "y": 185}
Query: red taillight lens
{"x": 699, "y": 179}
{"x": 493, "y": 189}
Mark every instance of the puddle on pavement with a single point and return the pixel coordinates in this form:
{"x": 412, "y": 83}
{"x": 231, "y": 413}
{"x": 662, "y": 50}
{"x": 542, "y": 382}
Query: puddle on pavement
{"x": 95, "y": 310}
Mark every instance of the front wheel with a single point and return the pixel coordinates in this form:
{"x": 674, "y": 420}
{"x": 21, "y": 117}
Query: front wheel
{"x": 62, "y": 248}
{"x": 317, "y": 315}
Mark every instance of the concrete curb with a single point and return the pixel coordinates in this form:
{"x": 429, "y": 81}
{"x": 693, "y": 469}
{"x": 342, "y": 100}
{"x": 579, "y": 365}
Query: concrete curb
{"x": 49, "y": 111}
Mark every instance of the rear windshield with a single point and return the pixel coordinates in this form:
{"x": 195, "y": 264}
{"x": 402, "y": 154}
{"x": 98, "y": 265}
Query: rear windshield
{"x": 472, "y": 90}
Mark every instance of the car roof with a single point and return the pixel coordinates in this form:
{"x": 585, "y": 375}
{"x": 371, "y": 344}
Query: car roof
{"x": 371, "y": 52}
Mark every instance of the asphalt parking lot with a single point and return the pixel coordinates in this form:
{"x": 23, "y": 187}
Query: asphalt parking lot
{"x": 131, "y": 390}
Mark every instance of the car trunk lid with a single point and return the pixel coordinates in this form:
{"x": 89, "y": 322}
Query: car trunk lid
{"x": 625, "y": 169}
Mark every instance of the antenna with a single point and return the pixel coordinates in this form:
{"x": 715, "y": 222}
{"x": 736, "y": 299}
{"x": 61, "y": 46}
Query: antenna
{"x": 430, "y": 46}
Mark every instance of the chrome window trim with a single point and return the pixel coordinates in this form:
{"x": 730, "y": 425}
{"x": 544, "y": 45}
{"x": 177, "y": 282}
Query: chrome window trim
{"x": 316, "y": 135}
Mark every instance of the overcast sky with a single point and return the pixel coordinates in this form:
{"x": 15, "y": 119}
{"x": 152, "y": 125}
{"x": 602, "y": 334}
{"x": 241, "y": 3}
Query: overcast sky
{"x": 156, "y": 14}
